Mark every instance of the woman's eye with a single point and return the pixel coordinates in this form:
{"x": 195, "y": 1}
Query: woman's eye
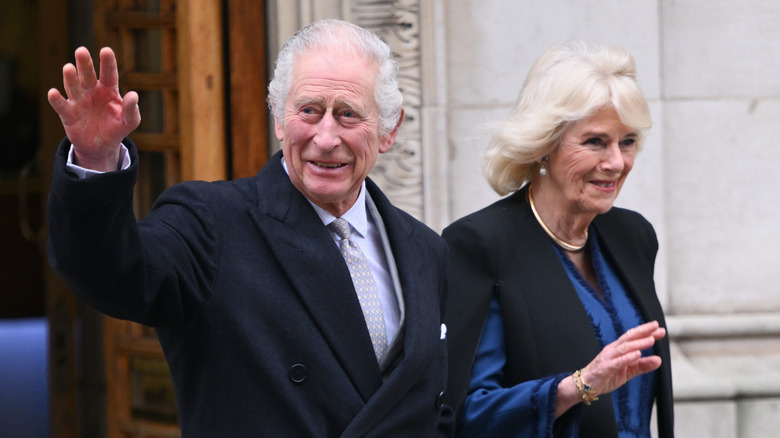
{"x": 594, "y": 141}
{"x": 628, "y": 142}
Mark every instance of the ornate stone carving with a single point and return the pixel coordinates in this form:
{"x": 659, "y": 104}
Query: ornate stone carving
{"x": 400, "y": 171}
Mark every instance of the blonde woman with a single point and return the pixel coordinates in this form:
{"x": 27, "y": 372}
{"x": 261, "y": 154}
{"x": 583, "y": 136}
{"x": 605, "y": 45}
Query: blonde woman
{"x": 554, "y": 324}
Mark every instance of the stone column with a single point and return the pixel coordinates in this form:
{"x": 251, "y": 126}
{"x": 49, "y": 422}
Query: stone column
{"x": 413, "y": 173}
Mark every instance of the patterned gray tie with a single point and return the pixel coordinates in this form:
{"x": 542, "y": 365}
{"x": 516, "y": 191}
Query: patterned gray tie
{"x": 365, "y": 286}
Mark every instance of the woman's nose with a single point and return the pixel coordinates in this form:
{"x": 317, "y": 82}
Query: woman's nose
{"x": 614, "y": 158}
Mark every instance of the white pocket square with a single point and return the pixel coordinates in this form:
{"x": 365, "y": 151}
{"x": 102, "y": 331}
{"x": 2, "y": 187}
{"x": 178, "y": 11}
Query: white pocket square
{"x": 443, "y": 331}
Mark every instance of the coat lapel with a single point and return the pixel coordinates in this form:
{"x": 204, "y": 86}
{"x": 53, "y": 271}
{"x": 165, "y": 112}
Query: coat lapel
{"x": 307, "y": 255}
{"x": 635, "y": 275}
{"x": 422, "y": 323}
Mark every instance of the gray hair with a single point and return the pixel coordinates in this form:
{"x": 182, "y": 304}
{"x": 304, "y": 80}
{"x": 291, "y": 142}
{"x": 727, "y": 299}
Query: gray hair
{"x": 334, "y": 33}
{"x": 569, "y": 82}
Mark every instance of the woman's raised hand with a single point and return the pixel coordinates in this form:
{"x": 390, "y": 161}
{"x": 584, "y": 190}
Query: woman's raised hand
{"x": 616, "y": 364}
{"x": 95, "y": 116}
{"x": 622, "y": 360}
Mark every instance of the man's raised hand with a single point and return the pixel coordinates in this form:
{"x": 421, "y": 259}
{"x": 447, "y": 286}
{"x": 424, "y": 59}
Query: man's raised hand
{"x": 95, "y": 116}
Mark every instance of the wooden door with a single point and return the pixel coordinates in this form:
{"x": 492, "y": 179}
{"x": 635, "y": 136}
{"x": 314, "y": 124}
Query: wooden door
{"x": 199, "y": 69}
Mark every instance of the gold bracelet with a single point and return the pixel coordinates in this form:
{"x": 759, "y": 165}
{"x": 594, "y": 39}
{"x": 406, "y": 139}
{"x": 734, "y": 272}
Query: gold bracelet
{"x": 586, "y": 392}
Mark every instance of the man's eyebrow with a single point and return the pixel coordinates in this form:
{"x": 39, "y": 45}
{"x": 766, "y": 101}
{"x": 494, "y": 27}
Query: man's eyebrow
{"x": 307, "y": 101}
{"x": 350, "y": 105}
{"x": 340, "y": 103}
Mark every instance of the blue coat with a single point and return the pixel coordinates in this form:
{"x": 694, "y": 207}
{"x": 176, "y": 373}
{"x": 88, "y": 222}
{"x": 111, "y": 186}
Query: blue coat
{"x": 502, "y": 250}
{"x": 253, "y": 304}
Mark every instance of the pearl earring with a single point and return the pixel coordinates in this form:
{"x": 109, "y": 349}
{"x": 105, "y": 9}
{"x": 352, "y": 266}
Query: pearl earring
{"x": 543, "y": 169}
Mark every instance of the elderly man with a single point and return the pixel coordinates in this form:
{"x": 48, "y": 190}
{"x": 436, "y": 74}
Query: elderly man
{"x": 295, "y": 303}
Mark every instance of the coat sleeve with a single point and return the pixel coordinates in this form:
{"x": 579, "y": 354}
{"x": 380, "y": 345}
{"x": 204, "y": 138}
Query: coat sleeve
{"x": 491, "y": 409}
{"x": 155, "y": 272}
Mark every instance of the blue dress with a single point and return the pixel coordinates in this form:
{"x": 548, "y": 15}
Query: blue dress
{"x": 528, "y": 409}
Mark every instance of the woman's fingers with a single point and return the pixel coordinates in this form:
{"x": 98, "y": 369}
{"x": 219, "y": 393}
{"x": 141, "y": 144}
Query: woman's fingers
{"x": 647, "y": 364}
{"x": 638, "y": 338}
{"x": 639, "y": 331}
{"x": 635, "y": 345}
{"x": 622, "y": 360}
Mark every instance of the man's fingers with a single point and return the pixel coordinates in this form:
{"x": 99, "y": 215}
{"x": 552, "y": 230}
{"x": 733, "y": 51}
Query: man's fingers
{"x": 130, "y": 112}
{"x": 56, "y": 100}
{"x": 109, "y": 74}
{"x": 61, "y": 107}
{"x": 86, "y": 70}
{"x": 70, "y": 80}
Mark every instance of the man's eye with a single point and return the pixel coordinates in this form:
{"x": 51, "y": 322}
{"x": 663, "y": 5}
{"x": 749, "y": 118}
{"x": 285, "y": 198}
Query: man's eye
{"x": 348, "y": 114}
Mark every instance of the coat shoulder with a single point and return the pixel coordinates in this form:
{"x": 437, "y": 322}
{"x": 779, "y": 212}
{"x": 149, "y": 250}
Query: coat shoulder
{"x": 488, "y": 224}
{"x": 627, "y": 225}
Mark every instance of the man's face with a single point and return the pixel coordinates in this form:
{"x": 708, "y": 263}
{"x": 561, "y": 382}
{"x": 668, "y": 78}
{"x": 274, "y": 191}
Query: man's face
{"x": 330, "y": 131}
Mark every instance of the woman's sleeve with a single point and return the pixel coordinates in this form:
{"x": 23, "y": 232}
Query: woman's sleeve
{"x": 491, "y": 410}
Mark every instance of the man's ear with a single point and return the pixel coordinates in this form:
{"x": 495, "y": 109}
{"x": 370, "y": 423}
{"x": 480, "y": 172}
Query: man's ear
{"x": 278, "y": 129}
{"x": 387, "y": 141}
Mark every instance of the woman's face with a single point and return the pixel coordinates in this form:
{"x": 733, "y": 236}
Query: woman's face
{"x": 591, "y": 163}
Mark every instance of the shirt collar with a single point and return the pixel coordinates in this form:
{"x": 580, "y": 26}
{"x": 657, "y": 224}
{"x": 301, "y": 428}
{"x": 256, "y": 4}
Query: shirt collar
{"x": 357, "y": 216}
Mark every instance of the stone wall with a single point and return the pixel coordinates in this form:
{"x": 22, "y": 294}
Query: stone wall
{"x": 706, "y": 178}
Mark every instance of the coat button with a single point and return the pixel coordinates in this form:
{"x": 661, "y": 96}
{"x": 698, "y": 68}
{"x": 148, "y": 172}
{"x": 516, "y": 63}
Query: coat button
{"x": 298, "y": 373}
{"x": 440, "y": 400}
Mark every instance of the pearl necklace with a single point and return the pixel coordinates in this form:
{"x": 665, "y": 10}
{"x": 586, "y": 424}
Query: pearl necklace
{"x": 565, "y": 245}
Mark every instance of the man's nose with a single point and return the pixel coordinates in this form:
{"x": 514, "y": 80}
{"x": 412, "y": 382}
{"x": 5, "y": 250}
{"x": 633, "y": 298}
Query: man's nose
{"x": 328, "y": 130}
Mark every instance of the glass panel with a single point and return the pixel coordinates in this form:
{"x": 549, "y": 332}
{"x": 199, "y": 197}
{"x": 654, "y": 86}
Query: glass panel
{"x": 151, "y": 391}
{"x": 151, "y": 104}
{"x": 148, "y": 53}
{"x": 146, "y": 5}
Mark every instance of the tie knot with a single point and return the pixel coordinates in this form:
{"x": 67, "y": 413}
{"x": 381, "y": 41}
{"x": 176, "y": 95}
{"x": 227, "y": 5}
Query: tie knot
{"x": 341, "y": 228}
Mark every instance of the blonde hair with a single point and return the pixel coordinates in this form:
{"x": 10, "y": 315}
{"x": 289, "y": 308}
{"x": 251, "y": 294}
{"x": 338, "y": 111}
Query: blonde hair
{"x": 569, "y": 82}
